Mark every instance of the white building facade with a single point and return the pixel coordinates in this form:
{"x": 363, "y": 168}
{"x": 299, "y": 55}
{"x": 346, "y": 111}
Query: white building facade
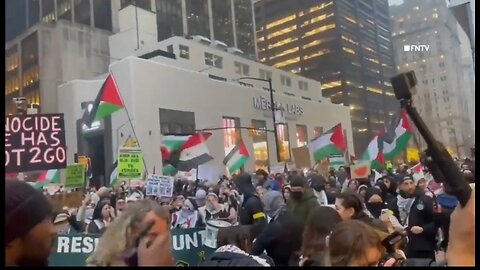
{"x": 163, "y": 98}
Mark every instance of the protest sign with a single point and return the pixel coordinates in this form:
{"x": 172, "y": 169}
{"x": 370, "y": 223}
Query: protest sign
{"x": 165, "y": 186}
{"x": 301, "y": 155}
{"x": 75, "y": 176}
{"x": 74, "y": 249}
{"x": 130, "y": 164}
{"x": 279, "y": 168}
{"x": 360, "y": 170}
{"x": 191, "y": 175}
{"x": 336, "y": 160}
{"x": 34, "y": 142}
{"x": 152, "y": 185}
{"x": 209, "y": 172}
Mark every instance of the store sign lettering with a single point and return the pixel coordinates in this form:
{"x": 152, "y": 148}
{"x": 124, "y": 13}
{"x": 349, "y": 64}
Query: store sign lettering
{"x": 262, "y": 103}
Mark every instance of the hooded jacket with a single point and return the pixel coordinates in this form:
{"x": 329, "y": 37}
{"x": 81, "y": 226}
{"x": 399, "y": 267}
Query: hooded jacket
{"x": 302, "y": 208}
{"x": 251, "y": 211}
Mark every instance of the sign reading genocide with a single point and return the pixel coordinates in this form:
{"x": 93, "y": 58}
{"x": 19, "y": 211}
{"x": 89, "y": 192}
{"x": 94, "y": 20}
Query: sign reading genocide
{"x": 35, "y": 142}
{"x": 75, "y": 176}
{"x": 130, "y": 164}
{"x": 74, "y": 249}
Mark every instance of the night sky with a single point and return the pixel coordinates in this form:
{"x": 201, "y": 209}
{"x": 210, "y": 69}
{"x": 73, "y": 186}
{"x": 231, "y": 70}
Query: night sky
{"x": 14, "y": 18}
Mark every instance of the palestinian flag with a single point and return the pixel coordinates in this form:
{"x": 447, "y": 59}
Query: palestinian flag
{"x": 107, "y": 102}
{"x": 171, "y": 143}
{"x": 330, "y": 143}
{"x": 396, "y": 139}
{"x": 194, "y": 152}
{"x": 374, "y": 152}
{"x": 114, "y": 174}
{"x": 237, "y": 157}
{"x": 46, "y": 178}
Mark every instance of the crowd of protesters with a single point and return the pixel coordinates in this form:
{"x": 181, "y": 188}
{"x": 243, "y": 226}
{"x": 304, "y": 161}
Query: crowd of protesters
{"x": 286, "y": 219}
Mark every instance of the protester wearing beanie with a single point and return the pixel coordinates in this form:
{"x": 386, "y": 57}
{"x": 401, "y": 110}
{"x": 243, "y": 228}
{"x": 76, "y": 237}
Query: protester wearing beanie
{"x": 29, "y": 229}
{"x": 302, "y": 199}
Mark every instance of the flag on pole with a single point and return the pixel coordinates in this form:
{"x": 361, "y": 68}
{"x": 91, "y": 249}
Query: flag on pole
{"x": 374, "y": 152}
{"x": 114, "y": 174}
{"x": 396, "y": 139}
{"x": 237, "y": 157}
{"x": 332, "y": 142}
{"x": 171, "y": 143}
{"x": 47, "y": 177}
{"x": 194, "y": 152}
{"x": 107, "y": 102}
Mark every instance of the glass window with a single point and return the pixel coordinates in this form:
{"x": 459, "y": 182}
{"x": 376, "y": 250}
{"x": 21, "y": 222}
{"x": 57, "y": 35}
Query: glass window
{"x": 242, "y": 69}
{"x": 169, "y": 18}
{"x": 265, "y": 74}
{"x": 222, "y": 21}
{"x": 441, "y": 64}
{"x": 33, "y": 7}
{"x": 260, "y": 144}
{"x": 48, "y": 10}
{"x": 231, "y": 133}
{"x": 244, "y": 26}
{"x": 173, "y": 122}
{"x": 102, "y": 14}
{"x": 443, "y": 78}
{"x": 213, "y": 60}
{"x": 184, "y": 51}
{"x": 145, "y": 4}
{"x": 64, "y": 9}
{"x": 285, "y": 80}
{"x": 301, "y": 135}
{"x": 284, "y": 142}
{"x": 170, "y": 48}
{"x": 303, "y": 85}
{"x": 82, "y": 11}
{"x": 197, "y": 18}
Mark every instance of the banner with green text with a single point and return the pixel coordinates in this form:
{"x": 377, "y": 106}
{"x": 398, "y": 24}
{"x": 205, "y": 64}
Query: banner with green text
{"x": 74, "y": 249}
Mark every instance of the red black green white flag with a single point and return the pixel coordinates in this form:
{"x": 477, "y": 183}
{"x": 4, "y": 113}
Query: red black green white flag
{"x": 237, "y": 157}
{"x": 107, "y": 102}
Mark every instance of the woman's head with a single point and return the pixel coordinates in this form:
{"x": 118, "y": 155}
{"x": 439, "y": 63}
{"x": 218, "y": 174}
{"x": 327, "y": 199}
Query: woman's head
{"x": 354, "y": 243}
{"x": 348, "y": 205}
{"x": 362, "y": 189}
{"x": 239, "y": 236}
{"x": 122, "y": 233}
{"x": 320, "y": 224}
{"x": 353, "y": 185}
{"x": 286, "y": 193}
{"x": 102, "y": 211}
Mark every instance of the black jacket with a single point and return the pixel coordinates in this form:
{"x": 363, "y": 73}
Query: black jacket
{"x": 226, "y": 259}
{"x": 281, "y": 238}
{"x": 422, "y": 215}
{"x": 251, "y": 211}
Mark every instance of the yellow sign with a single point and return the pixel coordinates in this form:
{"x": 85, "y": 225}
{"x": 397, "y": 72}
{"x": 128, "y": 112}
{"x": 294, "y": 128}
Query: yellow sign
{"x": 413, "y": 154}
{"x": 84, "y": 161}
{"x": 130, "y": 164}
{"x": 130, "y": 142}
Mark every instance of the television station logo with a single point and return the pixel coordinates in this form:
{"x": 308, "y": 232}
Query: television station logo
{"x": 416, "y": 48}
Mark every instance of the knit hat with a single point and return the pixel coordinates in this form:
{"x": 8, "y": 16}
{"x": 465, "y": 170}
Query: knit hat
{"x": 25, "y": 207}
{"x": 405, "y": 178}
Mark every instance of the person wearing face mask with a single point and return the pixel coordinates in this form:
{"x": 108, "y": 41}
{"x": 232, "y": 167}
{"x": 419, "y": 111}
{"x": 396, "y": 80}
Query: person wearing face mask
{"x": 302, "y": 201}
{"x": 187, "y": 217}
{"x": 318, "y": 184}
{"x": 251, "y": 211}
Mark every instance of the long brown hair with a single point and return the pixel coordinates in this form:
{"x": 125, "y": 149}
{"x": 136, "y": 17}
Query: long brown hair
{"x": 350, "y": 240}
{"x": 319, "y": 224}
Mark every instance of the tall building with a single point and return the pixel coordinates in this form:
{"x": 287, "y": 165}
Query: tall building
{"x": 343, "y": 44}
{"x": 441, "y": 99}
{"x": 464, "y": 12}
{"x": 228, "y": 21}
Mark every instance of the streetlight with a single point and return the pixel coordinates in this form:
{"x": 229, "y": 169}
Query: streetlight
{"x": 272, "y": 106}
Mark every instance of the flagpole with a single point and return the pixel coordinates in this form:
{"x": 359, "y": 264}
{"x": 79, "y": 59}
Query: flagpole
{"x": 130, "y": 120}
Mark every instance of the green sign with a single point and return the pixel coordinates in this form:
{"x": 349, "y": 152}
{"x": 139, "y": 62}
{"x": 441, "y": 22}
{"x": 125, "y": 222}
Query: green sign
{"x": 130, "y": 164}
{"x": 74, "y": 249}
{"x": 75, "y": 176}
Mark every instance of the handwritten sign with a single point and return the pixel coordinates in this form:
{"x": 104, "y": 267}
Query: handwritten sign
{"x": 152, "y": 185}
{"x": 165, "y": 186}
{"x": 75, "y": 176}
{"x": 130, "y": 164}
{"x": 35, "y": 142}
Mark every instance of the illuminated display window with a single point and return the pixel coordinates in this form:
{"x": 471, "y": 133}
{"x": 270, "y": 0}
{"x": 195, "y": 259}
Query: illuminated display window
{"x": 284, "y": 142}
{"x": 231, "y": 133}
{"x": 301, "y": 135}
{"x": 260, "y": 144}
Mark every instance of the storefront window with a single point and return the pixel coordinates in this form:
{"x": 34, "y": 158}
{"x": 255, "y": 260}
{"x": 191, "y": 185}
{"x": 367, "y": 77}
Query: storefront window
{"x": 284, "y": 142}
{"x": 231, "y": 133}
{"x": 317, "y": 131}
{"x": 260, "y": 144}
{"x": 301, "y": 135}
{"x": 173, "y": 122}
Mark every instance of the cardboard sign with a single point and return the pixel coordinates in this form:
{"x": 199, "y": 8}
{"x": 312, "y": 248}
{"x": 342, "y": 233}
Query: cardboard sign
{"x": 360, "y": 170}
{"x": 35, "y": 142}
{"x": 152, "y": 185}
{"x": 301, "y": 155}
{"x": 75, "y": 176}
{"x": 74, "y": 249}
{"x": 130, "y": 164}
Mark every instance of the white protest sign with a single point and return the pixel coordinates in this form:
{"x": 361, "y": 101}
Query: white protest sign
{"x": 191, "y": 175}
{"x": 152, "y": 185}
{"x": 165, "y": 186}
{"x": 274, "y": 169}
{"x": 210, "y": 173}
